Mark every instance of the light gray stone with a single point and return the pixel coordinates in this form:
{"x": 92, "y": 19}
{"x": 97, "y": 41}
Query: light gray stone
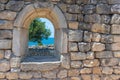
{"x": 84, "y": 47}
{"x": 115, "y": 29}
{"x": 74, "y": 9}
{"x": 115, "y": 19}
{"x": 105, "y": 19}
{"x": 23, "y": 75}
{"x": 73, "y": 46}
{"x": 98, "y": 47}
{"x": 78, "y": 56}
{"x": 107, "y": 70}
{"x": 37, "y": 74}
{"x": 4, "y": 1}
{"x": 2, "y": 6}
{"x": 5, "y": 44}
{"x": 4, "y": 66}
{"x": 15, "y": 62}
{"x": 71, "y": 17}
{"x": 96, "y": 37}
{"x": 8, "y": 54}
{"x": 5, "y": 34}
{"x": 107, "y": 39}
{"x": 104, "y": 54}
{"x": 90, "y": 55}
{"x": 1, "y": 54}
{"x": 87, "y": 36}
{"x": 115, "y": 9}
{"x": 89, "y": 9}
{"x": 113, "y": 1}
{"x": 6, "y": 24}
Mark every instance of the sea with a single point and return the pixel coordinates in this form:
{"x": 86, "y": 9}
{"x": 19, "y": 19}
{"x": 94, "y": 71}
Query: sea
{"x": 49, "y": 41}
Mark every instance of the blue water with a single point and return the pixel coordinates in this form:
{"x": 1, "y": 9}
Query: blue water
{"x": 48, "y": 41}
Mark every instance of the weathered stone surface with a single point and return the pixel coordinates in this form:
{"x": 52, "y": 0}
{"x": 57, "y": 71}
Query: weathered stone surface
{"x": 1, "y": 54}
{"x": 5, "y": 34}
{"x": 95, "y": 77}
{"x": 116, "y": 38}
{"x": 12, "y": 76}
{"x": 8, "y": 15}
{"x": 92, "y": 18}
{"x": 115, "y": 46}
{"x": 100, "y": 28}
{"x": 107, "y": 70}
{"x": 73, "y": 25}
{"x": 89, "y": 9}
{"x": 71, "y": 17}
{"x": 115, "y": 77}
{"x": 103, "y": 9}
{"x": 74, "y": 9}
{"x": 104, "y": 54}
{"x": 15, "y": 5}
{"x": 39, "y": 66}
{"x": 87, "y": 36}
{"x": 116, "y": 54}
{"x": 91, "y": 63}
{"x": 73, "y": 46}
{"x": 115, "y": 19}
{"x": 4, "y": 66}
{"x": 62, "y": 74}
{"x": 96, "y": 37}
{"x": 116, "y": 70}
{"x": 115, "y": 9}
{"x": 37, "y": 75}
{"x": 109, "y": 62}
{"x": 86, "y": 71}
{"x": 4, "y": 1}
{"x": 69, "y": 1}
{"x": 73, "y": 72}
{"x": 115, "y": 29}
{"x": 75, "y": 35}
{"x": 97, "y": 70}
{"x": 6, "y": 24}
{"x": 2, "y": 6}
{"x": 15, "y": 62}
{"x": 63, "y": 7}
{"x": 98, "y": 47}
{"x": 80, "y": 17}
{"x": 113, "y": 1}
{"x": 75, "y": 78}
{"x": 90, "y": 55}
{"x": 23, "y": 75}
{"x": 107, "y": 39}
{"x": 8, "y": 54}
{"x": 78, "y": 56}
{"x": 5, "y": 44}
{"x": 76, "y": 64}
{"x": 49, "y": 74}
{"x": 84, "y": 47}
{"x": 2, "y": 75}
{"x": 86, "y": 77}
{"x": 85, "y": 26}
{"x": 105, "y": 19}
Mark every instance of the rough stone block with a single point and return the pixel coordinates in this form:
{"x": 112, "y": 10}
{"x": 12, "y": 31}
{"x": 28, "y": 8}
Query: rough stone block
{"x": 5, "y": 34}
{"x": 73, "y": 72}
{"x": 49, "y": 74}
{"x": 80, "y": 17}
{"x": 87, "y": 36}
{"x": 113, "y": 1}
{"x": 5, "y": 44}
{"x": 90, "y": 55}
{"x": 74, "y": 9}
{"x": 84, "y": 47}
{"x": 115, "y": 9}
{"x": 6, "y": 24}
{"x": 75, "y": 35}
{"x": 76, "y": 64}
{"x": 103, "y": 9}
{"x": 8, "y": 54}
{"x": 85, "y": 71}
{"x": 15, "y": 62}
{"x": 115, "y": 19}
{"x": 1, "y": 54}
{"x": 115, "y": 29}
{"x": 4, "y": 66}
{"x": 12, "y": 76}
{"x": 63, "y": 7}
{"x": 98, "y": 47}
{"x": 8, "y": 15}
{"x": 116, "y": 54}
{"x": 23, "y": 75}
{"x": 2, "y": 75}
{"x": 86, "y": 77}
{"x": 115, "y": 46}
{"x": 96, "y": 37}
{"x": 4, "y": 1}
{"x": 15, "y": 5}
{"x": 107, "y": 70}
{"x": 73, "y": 46}
{"x": 73, "y": 25}
{"x": 107, "y": 39}
{"x": 2, "y": 7}
{"x": 62, "y": 74}
{"x": 97, "y": 70}
{"x": 100, "y": 28}
{"x": 104, "y": 54}
{"x": 37, "y": 75}
{"x": 91, "y": 63}
{"x": 105, "y": 19}
{"x": 89, "y": 9}
{"x": 84, "y": 26}
{"x": 116, "y": 38}
{"x": 71, "y": 17}
{"x": 78, "y": 56}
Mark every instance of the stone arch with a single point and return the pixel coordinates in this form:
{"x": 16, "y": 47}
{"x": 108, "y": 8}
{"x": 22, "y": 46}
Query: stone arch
{"x": 32, "y": 11}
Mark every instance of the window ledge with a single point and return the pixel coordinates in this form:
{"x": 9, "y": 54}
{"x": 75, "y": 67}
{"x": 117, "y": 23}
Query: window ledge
{"x": 39, "y": 66}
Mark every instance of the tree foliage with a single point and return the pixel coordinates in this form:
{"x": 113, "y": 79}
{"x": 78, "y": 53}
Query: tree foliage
{"x": 38, "y": 31}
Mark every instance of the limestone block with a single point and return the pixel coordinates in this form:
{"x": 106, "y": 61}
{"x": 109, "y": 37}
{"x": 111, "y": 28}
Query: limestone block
{"x": 78, "y": 56}
{"x": 2, "y": 75}
{"x": 1, "y": 54}
{"x": 97, "y": 70}
{"x": 92, "y": 18}
{"x": 5, "y": 34}
{"x": 116, "y": 54}
{"x": 103, "y": 9}
{"x": 115, "y": 9}
{"x": 85, "y": 71}
{"x": 116, "y": 38}
{"x": 87, "y": 36}
{"x": 5, "y": 44}
{"x": 23, "y": 75}
{"x": 15, "y": 5}
{"x": 115, "y": 29}
{"x": 73, "y": 72}
{"x": 115, "y": 19}
{"x": 86, "y": 77}
{"x": 104, "y": 54}
{"x": 107, "y": 39}
{"x": 96, "y": 37}
{"x": 75, "y": 35}
{"x": 105, "y": 19}
{"x": 80, "y": 17}
{"x": 76, "y": 64}
{"x": 12, "y": 76}
{"x": 91, "y": 63}
{"x": 98, "y": 46}
{"x": 73, "y": 46}
{"x": 4, "y": 66}
{"x": 15, "y": 62}
{"x": 115, "y": 46}
{"x": 8, "y": 54}
{"x": 6, "y": 24}
{"x": 49, "y": 74}
{"x": 90, "y": 55}
{"x": 109, "y": 62}
{"x": 2, "y": 7}
{"x": 101, "y": 28}
{"x": 8, "y": 15}
{"x": 73, "y": 25}
{"x": 74, "y": 9}
{"x": 84, "y": 47}
{"x": 107, "y": 70}
{"x": 4, "y": 1}
{"x": 71, "y": 17}
{"x": 89, "y": 9}
{"x": 116, "y": 70}
{"x": 62, "y": 74}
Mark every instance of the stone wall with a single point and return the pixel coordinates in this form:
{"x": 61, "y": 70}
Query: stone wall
{"x": 93, "y": 33}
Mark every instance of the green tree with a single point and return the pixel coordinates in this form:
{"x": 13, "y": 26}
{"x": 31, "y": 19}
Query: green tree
{"x": 38, "y": 32}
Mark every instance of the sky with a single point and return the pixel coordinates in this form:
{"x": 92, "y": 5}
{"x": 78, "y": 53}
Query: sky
{"x": 48, "y": 25}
